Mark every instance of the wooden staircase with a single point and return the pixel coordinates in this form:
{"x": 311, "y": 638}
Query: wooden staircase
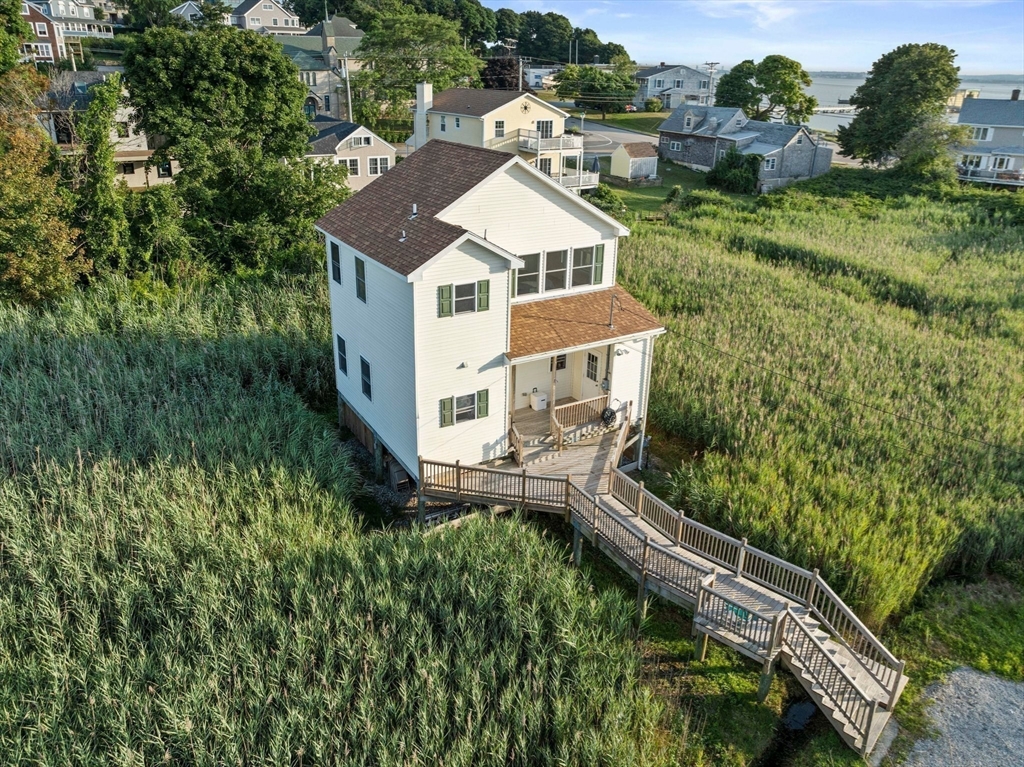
{"x": 757, "y": 604}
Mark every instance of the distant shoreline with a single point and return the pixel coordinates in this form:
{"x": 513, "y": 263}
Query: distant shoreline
{"x": 994, "y": 79}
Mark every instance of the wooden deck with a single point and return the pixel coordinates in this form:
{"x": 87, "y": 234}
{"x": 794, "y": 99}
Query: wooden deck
{"x": 759, "y": 605}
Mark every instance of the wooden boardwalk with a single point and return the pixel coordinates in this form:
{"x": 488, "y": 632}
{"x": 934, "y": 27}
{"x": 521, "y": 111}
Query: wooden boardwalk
{"x": 759, "y": 605}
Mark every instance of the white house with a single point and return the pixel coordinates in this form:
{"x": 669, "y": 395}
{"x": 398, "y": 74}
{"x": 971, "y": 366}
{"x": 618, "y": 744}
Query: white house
{"x": 467, "y": 287}
{"x": 366, "y": 155}
{"x": 268, "y": 17}
{"x": 996, "y": 153}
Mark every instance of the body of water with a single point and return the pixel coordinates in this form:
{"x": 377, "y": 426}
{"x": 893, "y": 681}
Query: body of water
{"x": 828, "y": 91}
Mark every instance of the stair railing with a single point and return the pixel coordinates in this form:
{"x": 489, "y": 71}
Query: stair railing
{"x": 515, "y": 441}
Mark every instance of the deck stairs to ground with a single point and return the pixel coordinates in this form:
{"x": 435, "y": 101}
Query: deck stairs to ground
{"x": 761, "y": 606}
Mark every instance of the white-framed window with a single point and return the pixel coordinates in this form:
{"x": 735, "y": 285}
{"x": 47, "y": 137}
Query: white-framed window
{"x": 556, "y": 270}
{"x": 342, "y": 356}
{"x": 703, "y": 99}
{"x": 360, "y": 279}
{"x": 981, "y": 134}
{"x": 971, "y": 160}
{"x": 675, "y": 146}
{"x": 364, "y": 375}
{"x": 74, "y": 10}
{"x": 582, "y": 266}
{"x": 378, "y": 165}
{"x": 127, "y": 169}
{"x": 41, "y": 30}
{"x": 462, "y": 408}
{"x": 499, "y": 129}
{"x": 721, "y": 153}
{"x": 663, "y": 139}
{"x": 528, "y": 278}
{"x": 255, "y": 21}
{"x": 275, "y": 22}
{"x": 335, "y": 263}
{"x": 688, "y": 122}
{"x": 592, "y": 363}
{"x": 309, "y": 78}
{"x": 677, "y": 84}
{"x": 1002, "y": 163}
{"x": 465, "y": 408}
{"x": 800, "y": 138}
{"x": 659, "y": 83}
{"x": 362, "y": 141}
{"x": 352, "y": 163}
{"x": 43, "y": 50}
{"x": 769, "y": 164}
{"x": 444, "y": 124}
{"x": 465, "y": 298}
{"x": 24, "y": 9}
{"x": 61, "y": 10}
{"x": 544, "y": 165}
{"x": 703, "y": 85}
{"x": 268, "y": 7}
{"x": 559, "y": 363}
{"x": 458, "y": 122}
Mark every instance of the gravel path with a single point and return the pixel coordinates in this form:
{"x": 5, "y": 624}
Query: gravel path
{"x": 981, "y": 721}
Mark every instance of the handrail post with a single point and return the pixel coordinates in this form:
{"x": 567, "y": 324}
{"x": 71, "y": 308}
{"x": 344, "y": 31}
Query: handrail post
{"x": 458, "y": 482}
{"x": 741, "y": 557}
{"x": 871, "y": 721}
{"x": 522, "y": 504}
{"x": 894, "y": 693}
{"x": 812, "y": 589}
{"x": 641, "y": 594}
{"x": 679, "y": 526}
{"x": 640, "y": 500}
{"x": 568, "y": 489}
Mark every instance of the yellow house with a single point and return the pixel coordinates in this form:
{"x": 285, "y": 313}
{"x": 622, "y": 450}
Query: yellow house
{"x": 508, "y": 121}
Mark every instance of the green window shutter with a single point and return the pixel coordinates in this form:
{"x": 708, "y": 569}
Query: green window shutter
{"x": 599, "y": 264}
{"x": 483, "y": 295}
{"x": 448, "y": 411}
{"x": 515, "y": 279}
{"x": 444, "y": 300}
{"x": 482, "y": 403}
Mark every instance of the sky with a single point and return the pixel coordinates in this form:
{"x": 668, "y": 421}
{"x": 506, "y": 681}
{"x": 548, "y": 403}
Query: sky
{"x": 836, "y": 35}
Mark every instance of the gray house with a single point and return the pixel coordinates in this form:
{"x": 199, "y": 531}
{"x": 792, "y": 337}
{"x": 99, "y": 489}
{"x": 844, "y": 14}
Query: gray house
{"x": 997, "y": 128}
{"x": 699, "y": 137}
{"x": 674, "y": 84}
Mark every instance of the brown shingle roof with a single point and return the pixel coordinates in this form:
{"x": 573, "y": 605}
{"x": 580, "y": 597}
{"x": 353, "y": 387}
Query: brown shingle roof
{"x": 472, "y": 102}
{"x": 432, "y": 177}
{"x": 554, "y": 324}
{"x": 640, "y": 149}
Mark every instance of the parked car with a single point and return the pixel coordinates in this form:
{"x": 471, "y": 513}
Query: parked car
{"x": 630, "y": 108}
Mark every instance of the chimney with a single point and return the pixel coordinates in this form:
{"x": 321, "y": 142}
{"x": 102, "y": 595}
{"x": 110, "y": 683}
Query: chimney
{"x": 661, "y": 64}
{"x": 424, "y": 102}
{"x": 1015, "y": 96}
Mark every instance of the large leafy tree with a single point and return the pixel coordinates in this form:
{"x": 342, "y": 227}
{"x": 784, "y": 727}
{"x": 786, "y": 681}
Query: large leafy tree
{"x": 13, "y": 30}
{"x": 227, "y": 105}
{"x": 597, "y": 89}
{"x": 401, "y": 51}
{"x": 101, "y": 199}
{"x": 904, "y": 87}
{"x": 503, "y": 73}
{"x": 150, "y": 13}
{"x": 773, "y": 88}
{"x": 544, "y": 35}
{"x": 506, "y": 24}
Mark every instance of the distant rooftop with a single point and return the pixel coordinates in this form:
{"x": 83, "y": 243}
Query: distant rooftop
{"x": 1002, "y": 112}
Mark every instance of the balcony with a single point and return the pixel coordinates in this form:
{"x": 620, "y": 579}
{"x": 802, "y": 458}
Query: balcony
{"x": 531, "y": 141}
{"x": 988, "y": 176}
{"x": 578, "y": 180}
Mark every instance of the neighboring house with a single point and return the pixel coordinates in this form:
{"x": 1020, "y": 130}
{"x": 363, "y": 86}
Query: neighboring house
{"x": 674, "y": 84}
{"x": 465, "y": 285}
{"x": 77, "y": 19}
{"x": 324, "y": 56}
{"x": 133, "y": 151}
{"x": 635, "y": 160}
{"x": 699, "y": 136}
{"x": 192, "y": 11}
{"x": 541, "y": 78}
{"x": 268, "y": 17}
{"x": 366, "y": 155}
{"x": 47, "y": 41}
{"x": 997, "y": 130}
{"x": 509, "y": 121}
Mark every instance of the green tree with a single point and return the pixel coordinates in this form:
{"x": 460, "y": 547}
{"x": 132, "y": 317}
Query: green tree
{"x": 39, "y": 254}
{"x": 544, "y": 35}
{"x": 506, "y": 24}
{"x": 401, "y": 51}
{"x": 598, "y": 89}
{"x": 502, "y": 73}
{"x": 13, "y": 30}
{"x": 772, "y": 88}
{"x": 736, "y": 172}
{"x": 152, "y": 13}
{"x": 227, "y": 105}
{"x": 904, "y": 86}
{"x": 101, "y": 214}
{"x": 927, "y": 148}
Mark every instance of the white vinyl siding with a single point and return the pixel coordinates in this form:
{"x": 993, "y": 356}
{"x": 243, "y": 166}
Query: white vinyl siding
{"x": 378, "y": 165}
{"x": 461, "y": 355}
{"x": 981, "y": 134}
{"x": 543, "y": 219}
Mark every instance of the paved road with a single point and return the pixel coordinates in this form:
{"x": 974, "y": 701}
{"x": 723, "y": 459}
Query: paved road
{"x": 602, "y": 139}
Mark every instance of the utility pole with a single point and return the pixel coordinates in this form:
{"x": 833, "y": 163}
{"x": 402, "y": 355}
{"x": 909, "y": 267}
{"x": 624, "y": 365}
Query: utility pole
{"x": 711, "y": 65}
{"x": 520, "y": 83}
{"x": 348, "y": 92}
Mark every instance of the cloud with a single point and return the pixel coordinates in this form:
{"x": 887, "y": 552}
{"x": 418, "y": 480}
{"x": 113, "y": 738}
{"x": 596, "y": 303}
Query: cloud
{"x": 763, "y": 13}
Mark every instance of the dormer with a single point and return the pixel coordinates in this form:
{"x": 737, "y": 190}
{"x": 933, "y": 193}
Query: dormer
{"x": 690, "y": 120}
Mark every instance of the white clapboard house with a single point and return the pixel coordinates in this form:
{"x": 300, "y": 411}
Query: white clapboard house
{"x": 471, "y": 292}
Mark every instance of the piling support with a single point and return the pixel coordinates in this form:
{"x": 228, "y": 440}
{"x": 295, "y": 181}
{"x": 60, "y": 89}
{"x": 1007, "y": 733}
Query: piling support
{"x": 378, "y": 460}
{"x": 577, "y": 545}
{"x": 765, "y": 684}
{"x": 700, "y": 648}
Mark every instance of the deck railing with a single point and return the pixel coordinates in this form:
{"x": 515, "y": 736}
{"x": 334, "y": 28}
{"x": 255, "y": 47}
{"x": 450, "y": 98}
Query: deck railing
{"x": 578, "y": 179}
{"x": 515, "y": 443}
{"x": 721, "y": 613}
{"x": 657, "y": 563}
{"x": 575, "y": 414}
{"x": 531, "y": 141}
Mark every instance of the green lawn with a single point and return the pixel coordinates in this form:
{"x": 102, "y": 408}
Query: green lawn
{"x": 644, "y": 122}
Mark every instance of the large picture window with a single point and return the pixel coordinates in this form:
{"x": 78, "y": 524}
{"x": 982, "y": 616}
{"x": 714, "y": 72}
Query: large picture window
{"x": 528, "y": 278}
{"x": 556, "y": 265}
{"x": 582, "y": 266}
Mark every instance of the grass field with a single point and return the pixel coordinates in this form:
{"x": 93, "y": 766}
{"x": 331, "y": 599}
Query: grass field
{"x": 643, "y": 122}
{"x": 183, "y": 580}
{"x": 849, "y": 373}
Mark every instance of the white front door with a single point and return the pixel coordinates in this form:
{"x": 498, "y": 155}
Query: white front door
{"x": 592, "y": 370}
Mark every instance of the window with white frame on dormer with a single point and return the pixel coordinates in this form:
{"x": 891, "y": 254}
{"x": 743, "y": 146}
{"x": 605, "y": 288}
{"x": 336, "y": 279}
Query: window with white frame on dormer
{"x": 688, "y": 122}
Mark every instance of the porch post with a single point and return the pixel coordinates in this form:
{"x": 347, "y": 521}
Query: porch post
{"x": 553, "y": 396}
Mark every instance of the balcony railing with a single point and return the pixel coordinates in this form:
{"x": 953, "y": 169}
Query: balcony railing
{"x": 1012, "y": 177}
{"x": 531, "y": 141}
{"x": 576, "y": 181}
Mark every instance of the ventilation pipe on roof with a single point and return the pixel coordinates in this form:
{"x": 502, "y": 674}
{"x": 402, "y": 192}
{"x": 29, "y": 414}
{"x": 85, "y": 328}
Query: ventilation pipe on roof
{"x": 424, "y": 103}
{"x": 1015, "y": 95}
{"x": 414, "y": 212}
{"x": 402, "y": 238}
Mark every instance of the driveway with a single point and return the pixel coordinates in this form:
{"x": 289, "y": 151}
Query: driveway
{"x": 602, "y": 139}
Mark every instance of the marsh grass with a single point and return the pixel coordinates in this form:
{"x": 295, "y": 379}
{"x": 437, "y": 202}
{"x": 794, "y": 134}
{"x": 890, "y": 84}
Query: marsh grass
{"x": 851, "y": 370}
{"x": 183, "y": 580}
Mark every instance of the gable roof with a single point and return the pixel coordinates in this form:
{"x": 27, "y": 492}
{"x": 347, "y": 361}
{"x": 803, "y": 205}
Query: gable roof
{"x": 640, "y": 149}
{"x": 674, "y": 123}
{"x": 432, "y": 178}
{"x": 330, "y": 133}
{"x": 651, "y": 71}
{"x": 1001, "y": 112}
{"x": 305, "y": 57}
{"x": 776, "y": 134}
{"x": 477, "y": 102}
{"x": 337, "y": 26}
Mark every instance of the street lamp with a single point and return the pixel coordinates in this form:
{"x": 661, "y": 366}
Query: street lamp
{"x": 582, "y": 117}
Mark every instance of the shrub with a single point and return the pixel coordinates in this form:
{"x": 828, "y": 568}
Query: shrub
{"x": 605, "y": 198}
{"x": 736, "y": 172}
{"x": 653, "y": 105}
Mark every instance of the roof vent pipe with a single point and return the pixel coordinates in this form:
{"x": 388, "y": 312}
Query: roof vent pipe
{"x": 414, "y": 212}
{"x": 402, "y": 238}
{"x": 1015, "y": 95}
